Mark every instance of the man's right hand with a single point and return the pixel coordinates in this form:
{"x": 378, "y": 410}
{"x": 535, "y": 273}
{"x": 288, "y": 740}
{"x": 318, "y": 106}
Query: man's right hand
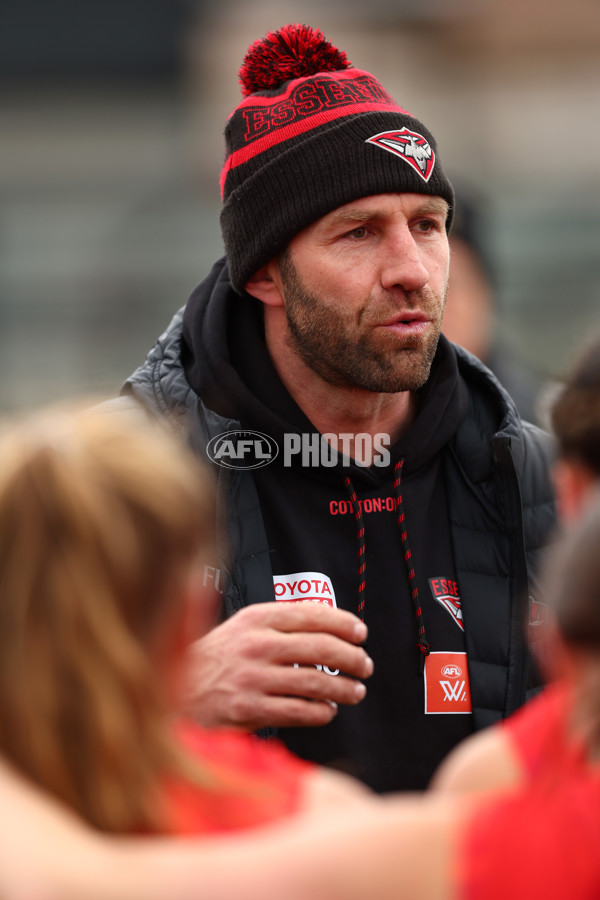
{"x": 264, "y": 667}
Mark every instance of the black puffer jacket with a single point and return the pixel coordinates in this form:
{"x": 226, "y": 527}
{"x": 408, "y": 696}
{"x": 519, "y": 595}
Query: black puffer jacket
{"x": 500, "y": 500}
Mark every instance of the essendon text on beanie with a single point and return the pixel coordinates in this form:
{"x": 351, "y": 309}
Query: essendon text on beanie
{"x": 247, "y": 449}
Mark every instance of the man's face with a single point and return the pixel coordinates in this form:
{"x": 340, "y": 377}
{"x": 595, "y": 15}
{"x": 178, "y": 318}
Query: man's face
{"x": 364, "y": 291}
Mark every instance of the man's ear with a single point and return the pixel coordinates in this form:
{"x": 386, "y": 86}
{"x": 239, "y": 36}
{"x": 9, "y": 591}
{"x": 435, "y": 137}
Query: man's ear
{"x": 265, "y": 285}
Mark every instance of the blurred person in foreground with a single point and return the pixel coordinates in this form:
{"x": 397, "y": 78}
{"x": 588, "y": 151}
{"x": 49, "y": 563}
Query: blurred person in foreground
{"x": 106, "y": 525}
{"x": 391, "y": 475}
{"x": 471, "y": 313}
{"x": 494, "y": 758}
{"x": 539, "y": 837}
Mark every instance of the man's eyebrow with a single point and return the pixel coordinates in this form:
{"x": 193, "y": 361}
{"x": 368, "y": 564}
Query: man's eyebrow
{"x": 435, "y": 205}
{"x": 358, "y": 214}
{"x": 352, "y": 215}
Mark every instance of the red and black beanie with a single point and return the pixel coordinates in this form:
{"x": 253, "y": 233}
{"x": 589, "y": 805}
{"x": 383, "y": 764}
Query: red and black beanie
{"x": 311, "y": 134}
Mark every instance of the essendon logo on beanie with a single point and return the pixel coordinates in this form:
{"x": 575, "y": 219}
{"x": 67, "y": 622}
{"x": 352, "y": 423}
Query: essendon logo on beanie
{"x": 409, "y": 146}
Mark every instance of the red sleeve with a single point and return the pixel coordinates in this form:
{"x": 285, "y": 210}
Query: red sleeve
{"x": 247, "y": 782}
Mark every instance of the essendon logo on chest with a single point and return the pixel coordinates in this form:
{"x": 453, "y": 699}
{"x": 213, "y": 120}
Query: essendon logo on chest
{"x": 311, "y": 97}
{"x": 304, "y": 587}
{"x": 445, "y": 591}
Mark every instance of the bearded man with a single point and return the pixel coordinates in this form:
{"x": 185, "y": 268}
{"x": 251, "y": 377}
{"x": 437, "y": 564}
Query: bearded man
{"x": 371, "y": 474}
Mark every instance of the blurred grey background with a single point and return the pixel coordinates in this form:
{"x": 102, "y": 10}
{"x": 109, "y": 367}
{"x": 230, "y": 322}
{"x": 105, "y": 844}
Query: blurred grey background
{"x": 111, "y": 120}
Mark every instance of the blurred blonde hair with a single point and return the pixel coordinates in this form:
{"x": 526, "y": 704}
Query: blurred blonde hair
{"x": 102, "y": 518}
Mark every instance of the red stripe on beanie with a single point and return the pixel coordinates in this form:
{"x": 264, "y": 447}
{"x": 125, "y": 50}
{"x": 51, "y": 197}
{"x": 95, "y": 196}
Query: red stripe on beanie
{"x": 238, "y": 157}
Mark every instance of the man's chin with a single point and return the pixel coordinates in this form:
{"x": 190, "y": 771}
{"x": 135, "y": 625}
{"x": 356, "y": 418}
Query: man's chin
{"x": 393, "y": 382}
{"x": 409, "y": 377}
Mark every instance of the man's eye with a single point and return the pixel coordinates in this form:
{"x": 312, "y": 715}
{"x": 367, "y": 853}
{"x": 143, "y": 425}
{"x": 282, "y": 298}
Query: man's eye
{"x": 426, "y": 225}
{"x": 358, "y": 233}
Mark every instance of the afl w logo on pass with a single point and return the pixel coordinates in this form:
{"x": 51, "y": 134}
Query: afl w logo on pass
{"x": 409, "y": 146}
{"x": 447, "y": 690}
{"x": 242, "y": 450}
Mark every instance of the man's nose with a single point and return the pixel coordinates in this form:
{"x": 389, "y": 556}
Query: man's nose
{"x": 403, "y": 264}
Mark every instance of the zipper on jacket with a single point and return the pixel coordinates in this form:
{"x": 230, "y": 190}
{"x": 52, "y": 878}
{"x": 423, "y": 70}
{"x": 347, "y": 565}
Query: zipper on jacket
{"x": 519, "y": 664}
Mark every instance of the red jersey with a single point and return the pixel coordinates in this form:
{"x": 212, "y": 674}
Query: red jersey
{"x": 249, "y": 782}
{"x": 544, "y": 839}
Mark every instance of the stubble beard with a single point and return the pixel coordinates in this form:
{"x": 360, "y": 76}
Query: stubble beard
{"x": 319, "y": 335}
